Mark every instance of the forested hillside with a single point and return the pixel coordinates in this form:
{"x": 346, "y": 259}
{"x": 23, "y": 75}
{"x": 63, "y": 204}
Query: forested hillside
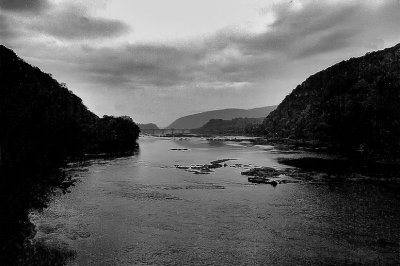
{"x": 353, "y": 105}
{"x": 42, "y": 122}
{"x": 234, "y": 126}
{"x": 198, "y": 120}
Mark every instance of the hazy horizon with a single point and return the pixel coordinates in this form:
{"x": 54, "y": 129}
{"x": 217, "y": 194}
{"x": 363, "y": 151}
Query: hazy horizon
{"x": 157, "y": 61}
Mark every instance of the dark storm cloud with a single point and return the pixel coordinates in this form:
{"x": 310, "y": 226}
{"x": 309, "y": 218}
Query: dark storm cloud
{"x": 24, "y": 5}
{"x": 72, "y": 23}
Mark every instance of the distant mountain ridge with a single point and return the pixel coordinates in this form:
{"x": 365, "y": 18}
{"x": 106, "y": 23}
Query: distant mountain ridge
{"x": 148, "y": 126}
{"x": 353, "y": 105}
{"x": 198, "y": 120}
{"x": 234, "y": 126}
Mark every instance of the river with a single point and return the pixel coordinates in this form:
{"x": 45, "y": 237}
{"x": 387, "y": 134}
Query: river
{"x": 142, "y": 210}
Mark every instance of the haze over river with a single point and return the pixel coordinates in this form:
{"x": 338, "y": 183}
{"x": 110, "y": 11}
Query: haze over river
{"x": 142, "y": 210}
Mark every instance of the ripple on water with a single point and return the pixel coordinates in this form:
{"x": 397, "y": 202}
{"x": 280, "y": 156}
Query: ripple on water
{"x": 140, "y": 192}
{"x": 195, "y": 186}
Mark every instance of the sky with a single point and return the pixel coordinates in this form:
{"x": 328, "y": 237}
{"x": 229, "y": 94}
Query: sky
{"x": 158, "y": 60}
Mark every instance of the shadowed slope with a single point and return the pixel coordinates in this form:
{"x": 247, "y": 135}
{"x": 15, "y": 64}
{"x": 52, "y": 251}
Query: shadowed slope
{"x": 353, "y": 105}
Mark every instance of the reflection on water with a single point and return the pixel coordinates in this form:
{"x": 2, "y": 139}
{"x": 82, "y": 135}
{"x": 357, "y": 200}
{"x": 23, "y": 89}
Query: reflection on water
{"x": 20, "y": 191}
{"x": 142, "y": 210}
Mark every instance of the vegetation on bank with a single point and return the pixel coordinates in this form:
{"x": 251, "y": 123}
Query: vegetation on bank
{"x": 43, "y": 123}
{"x": 353, "y": 105}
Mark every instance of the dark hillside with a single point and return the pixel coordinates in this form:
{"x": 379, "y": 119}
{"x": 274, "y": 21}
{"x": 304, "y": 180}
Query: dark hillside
{"x": 198, "y": 120}
{"x": 42, "y": 124}
{"x": 234, "y": 126}
{"x": 353, "y": 105}
{"x": 148, "y": 126}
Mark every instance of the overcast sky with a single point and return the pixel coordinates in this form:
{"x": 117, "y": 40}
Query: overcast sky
{"x": 157, "y": 60}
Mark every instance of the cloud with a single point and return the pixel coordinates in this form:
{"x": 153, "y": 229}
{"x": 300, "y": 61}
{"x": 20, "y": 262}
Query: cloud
{"x": 250, "y": 66}
{"x": 24, "y": 5}
{"x": 333, "y": 41}
{"x": 62, "y": 22}
{"x": 5, "y": 29}
{"x": 295, "y": 31}
{"x": 140, "y": 65}
{"x": 229, "y": 57}
{"x": 73, "y": 23}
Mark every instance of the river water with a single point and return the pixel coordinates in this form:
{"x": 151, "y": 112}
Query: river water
{"x": 142, "y": 210}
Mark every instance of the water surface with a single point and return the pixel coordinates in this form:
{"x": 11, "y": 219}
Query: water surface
{"x": 141, "y": 210}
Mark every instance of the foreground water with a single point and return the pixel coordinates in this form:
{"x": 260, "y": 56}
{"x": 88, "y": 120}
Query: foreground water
{"x": 142, "y": 210}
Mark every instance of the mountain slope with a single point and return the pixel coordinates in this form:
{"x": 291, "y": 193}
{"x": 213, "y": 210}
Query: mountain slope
{"x": 234, "y": 126}
{"x": 353, "y": 104}
{"x": 200, "y": 119}
{"x": 42, "y": 122}
{"x": 148, "y": 126}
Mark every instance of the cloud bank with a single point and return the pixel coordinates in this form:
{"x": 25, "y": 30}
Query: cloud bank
{"x": 303, "y": 37}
